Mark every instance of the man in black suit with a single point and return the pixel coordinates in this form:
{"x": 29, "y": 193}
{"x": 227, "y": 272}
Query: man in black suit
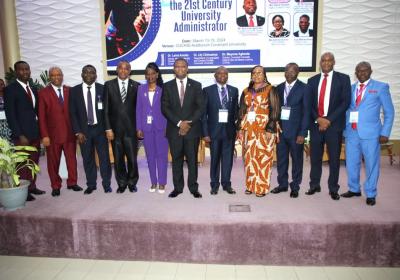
{"x": 219, "y": 129}
{"x": 250, "y": 19}
{"x": 22, "y": 116}
{"x": 304, "y": 24}
{"x": 294, "y": 96}
{"x": 86, "y": 108}
{"x": 120, "y": 124}
{"x": 182, "y": 104}
{"x": 330, "y": 98}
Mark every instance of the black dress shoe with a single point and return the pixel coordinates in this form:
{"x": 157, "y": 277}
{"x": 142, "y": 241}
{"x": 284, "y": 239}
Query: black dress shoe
{"x": 334, "y": 195}
{"x": 371, "y": 201}
{"x": 37, "y": 191}
{"x": 132, "y": 188}
{"x": 312, "y": 191}
{"x": 174, "y": 194}
{"x": 248, "y": 192}
{"x": 350, "y": 194}
{"x": 213, "y": 192}
{"x": 55, "y": 192}
{"x": 121, "y": 189}
{"x": 230, "y": 191}
{"x": 278, "y": 190}
{"x": 294, "y": 194}
{"x": 107, "y": 190}
{"x": 89, "y": 190}
{"x": 196, "y": 194}
{"x": 30, "y": 197}
{"x": 75, "y": 188}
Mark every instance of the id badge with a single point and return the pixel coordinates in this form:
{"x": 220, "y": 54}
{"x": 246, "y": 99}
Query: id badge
{"x": 353, "y": 117}
{"x": 223, "y": 116}
{"x": 100, "y": 105}
{"x": 2, "y": 115}
{"x": 251, "y": 116}
{"x": 149, "y": 119}
{"x": 285, "y": 113}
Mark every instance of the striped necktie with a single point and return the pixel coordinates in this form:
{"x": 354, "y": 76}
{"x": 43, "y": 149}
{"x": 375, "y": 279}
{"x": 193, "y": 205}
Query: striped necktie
{"x": 123, "y": 92}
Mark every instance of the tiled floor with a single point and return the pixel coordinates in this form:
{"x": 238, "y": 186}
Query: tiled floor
{"x": 30, "y": 268}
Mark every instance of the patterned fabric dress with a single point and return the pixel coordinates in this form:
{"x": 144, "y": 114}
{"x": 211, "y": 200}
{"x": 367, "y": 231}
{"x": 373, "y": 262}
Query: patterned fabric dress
{"x": 258, "y": 151}
{"x": 5, "y": 132}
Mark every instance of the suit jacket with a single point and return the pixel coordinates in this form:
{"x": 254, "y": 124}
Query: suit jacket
{"x": 20, "y": 113}
{"x": 339, "y": 99}
{"x": 211, "y": 126}
{"x": 54, "y": 119}
{"x": 242, "y": 21}
{"x": 120, "y": 116}
{"x": 144, "y": 109}
{"x": 192, "y": 109}
{"x": 78, "y": 110}
{"x": 299, "y": 102}
{"x": 310, "y": 33}
{"x": 376, "y": 96}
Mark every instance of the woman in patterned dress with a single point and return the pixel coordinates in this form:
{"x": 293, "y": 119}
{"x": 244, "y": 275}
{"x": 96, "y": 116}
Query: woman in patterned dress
{"x": 259, "y": 114}
{"x": 5, "y": 132}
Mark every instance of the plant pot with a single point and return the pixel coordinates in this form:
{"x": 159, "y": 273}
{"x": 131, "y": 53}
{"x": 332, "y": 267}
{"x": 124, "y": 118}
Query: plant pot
{"x": 14, "y": 198}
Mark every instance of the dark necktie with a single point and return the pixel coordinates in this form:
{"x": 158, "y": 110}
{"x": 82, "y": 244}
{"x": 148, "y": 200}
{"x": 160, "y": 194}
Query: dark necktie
{"x": 60, "y": 97}
{"x": 90, "y": 116}
{"x": 322, "y": 96}
{"x": 29, "y": 94}
{"x": 358, "y": 100}
{"x": 224, "y": 96}
{"x": 182, "y": 93}
{"x": 123, "y": 92}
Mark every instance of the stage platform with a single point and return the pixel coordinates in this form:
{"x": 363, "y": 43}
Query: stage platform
{"x": 225, "y": 229}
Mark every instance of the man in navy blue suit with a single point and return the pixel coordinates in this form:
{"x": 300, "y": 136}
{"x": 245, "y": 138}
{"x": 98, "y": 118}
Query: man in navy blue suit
{"x": 20, "y": 105}
{"x": 330, "y": 98}
{"x": 294, "y": 95}
{"x": 86, "y": 109}
{"x": 219, "y": 129}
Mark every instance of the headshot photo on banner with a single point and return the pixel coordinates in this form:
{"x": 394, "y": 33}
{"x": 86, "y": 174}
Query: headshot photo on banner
{"x": 207, "y": 33}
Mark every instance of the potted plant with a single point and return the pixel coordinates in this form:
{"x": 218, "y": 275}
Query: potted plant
{"x": 13, "y": 191}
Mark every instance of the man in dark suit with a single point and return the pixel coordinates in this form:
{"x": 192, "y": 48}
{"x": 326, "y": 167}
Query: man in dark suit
{"x": 330, "y": 98}
{"x": 294, "y": 95}
{"x": 219, "y": 129}
{"x": 21, "y": 112}
{"x": 304, "y": 24}
{"x": 86, "y": 109}
{"x": 56, "y": 131}
{"x": 250, "y": 19}
{"x": 120, "y": 123}
{"x": 182, "y": 104}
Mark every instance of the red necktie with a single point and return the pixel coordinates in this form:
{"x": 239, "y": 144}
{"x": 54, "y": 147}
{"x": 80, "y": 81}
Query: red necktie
{"x": 29, "y": 94}
{"x": 251, "y": 22}
{"x": 358, "y": 100}
{"x": 322, "y": 96}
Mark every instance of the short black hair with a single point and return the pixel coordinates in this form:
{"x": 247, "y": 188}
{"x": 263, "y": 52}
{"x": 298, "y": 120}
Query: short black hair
{"x": 18, "y": 63}
{"x": 275, "y": 16}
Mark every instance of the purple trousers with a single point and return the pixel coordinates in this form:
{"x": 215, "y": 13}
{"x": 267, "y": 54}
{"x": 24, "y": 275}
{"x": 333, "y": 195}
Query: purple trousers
{"x": 156, "y": 148}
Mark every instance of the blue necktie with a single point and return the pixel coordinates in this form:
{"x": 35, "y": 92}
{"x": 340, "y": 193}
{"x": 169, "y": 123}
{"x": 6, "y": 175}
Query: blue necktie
{"x": 224, "y": 96}
{"x": 60, "y": 97}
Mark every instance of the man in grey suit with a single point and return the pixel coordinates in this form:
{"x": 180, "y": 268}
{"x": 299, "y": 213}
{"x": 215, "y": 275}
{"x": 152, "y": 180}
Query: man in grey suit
{"x": 182, "y": 104}
{"x": 219, "y": 129}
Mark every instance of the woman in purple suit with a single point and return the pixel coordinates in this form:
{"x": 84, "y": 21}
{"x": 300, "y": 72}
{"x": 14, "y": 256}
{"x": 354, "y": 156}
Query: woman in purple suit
{"x": 151, "y": 126}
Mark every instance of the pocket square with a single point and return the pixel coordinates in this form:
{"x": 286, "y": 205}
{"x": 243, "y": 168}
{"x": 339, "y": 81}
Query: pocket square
{"x": 372, "y": 91}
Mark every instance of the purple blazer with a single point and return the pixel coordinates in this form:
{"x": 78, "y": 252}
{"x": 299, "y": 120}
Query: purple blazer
{"x": 144, "y": 109}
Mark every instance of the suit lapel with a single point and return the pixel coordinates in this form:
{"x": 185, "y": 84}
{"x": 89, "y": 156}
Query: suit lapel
{"x": 116, "y": 89}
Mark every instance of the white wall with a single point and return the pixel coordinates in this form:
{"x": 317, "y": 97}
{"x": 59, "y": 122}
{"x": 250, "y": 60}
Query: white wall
{"x": 68, "y": 33}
